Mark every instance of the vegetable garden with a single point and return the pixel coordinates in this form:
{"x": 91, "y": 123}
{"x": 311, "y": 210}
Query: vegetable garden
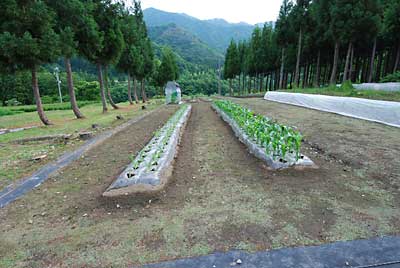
{"x": 152, "y": 166}
{"x": 277, "y": 144}
{"x": 218, "y": 198}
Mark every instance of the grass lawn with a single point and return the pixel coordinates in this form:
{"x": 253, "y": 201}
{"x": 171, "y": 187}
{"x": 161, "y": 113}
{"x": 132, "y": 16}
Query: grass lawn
{"x": 366, "y": 94}
{"x": 18, "y": 164}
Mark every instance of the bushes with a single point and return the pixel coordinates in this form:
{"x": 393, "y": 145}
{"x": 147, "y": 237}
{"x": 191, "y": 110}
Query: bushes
{"x": 395, "y": 77}
{"x": 47, "y": 107}
{"x": 18, "y": 86}
{"x": 205, "y": 82}
{"x": 4, "y": 112}
{"x": 347, "y": 86}
{"x": 88, "y": 91}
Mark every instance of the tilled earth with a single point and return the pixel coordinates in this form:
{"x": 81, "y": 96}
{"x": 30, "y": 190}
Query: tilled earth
{"x": 220, "y": 196}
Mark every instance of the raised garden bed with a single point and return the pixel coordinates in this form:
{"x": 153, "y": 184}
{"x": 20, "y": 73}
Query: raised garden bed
{"x": 277, "y": 145}
{"x": 152, "y": 167}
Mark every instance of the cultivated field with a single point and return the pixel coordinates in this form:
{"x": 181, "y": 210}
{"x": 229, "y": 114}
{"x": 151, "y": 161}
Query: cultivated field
{"x": 220, "y": 197}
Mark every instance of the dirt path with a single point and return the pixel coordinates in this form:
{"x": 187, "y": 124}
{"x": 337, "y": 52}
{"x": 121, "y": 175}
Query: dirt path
{"x": 220, "y": 198}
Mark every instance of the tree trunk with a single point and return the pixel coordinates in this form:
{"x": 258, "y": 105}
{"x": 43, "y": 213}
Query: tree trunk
{"x": 396, "y": 63}
{"x": 318, "y": 70}
{"x": 36, "y": 94}
{"x": 108, "y": 88}
{"x": 379, "y": 67}
{"x": 101, "y": 82}
{"x": 357, "y": 70}
{"x": 239, "y": 84}
{"x": 284, "y": 80}
{"x": 271, "y": 82}
{"x": 243, "y": 86}
{"x": 297, "y": 74}
{"x": 305, "y": 74}
{"x": 333, "y": 80}
{"x": 135, "y": 91}
{"x": 346, "y": 66}
{"x": 365, "y": 70}
{"x": 251, "y": 85}
{"x": 230, "y": 88}
{"x": 243, "y": 83}
{"x": 282, "y": 68}
{"x": 328, "y": 74}
{"x": 144, "y": 98}
{"x": 248, "y": 84}
{"x": 129, "y": 90}
{"x": 387, "y": 63}
{"x": 71, "y": 89}
{"x": 324, "y": 75}
{"x": 351, "y": 64}
{"x": 372, "y": 63}
{"x": 310, "y": 74}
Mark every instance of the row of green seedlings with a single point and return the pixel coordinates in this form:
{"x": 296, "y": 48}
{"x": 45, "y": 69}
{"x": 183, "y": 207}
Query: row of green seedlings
{"x": 168, "y": 129}
{"x": 278, "y": 140}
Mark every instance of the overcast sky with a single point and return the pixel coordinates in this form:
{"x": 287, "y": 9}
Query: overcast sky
{"x": 250, "y": 11}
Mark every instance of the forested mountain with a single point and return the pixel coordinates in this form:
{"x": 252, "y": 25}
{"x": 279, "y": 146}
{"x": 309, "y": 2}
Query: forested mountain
{"x": 185, "y": 44}
{"x": 216, "y": 33}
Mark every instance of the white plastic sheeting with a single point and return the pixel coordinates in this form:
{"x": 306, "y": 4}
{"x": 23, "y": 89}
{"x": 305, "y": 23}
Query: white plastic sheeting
{"x": 147, "y": 179}
{"x": 386, "y": 112}
{"x": 173, "y": 93}
{"x": 378, "y": 86}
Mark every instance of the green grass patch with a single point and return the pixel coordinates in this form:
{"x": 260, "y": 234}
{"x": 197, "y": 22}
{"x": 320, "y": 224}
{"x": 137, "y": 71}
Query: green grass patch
{"x": 19, "y": 163}
{"x": 10, "y": 110}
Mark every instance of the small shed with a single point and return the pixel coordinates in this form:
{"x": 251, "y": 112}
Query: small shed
{"x": 173, "y": 93}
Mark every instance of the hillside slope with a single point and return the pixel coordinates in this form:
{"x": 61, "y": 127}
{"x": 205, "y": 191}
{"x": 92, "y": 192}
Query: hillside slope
{"x": 185, "y": 44}
{"x": 216, "y": 33}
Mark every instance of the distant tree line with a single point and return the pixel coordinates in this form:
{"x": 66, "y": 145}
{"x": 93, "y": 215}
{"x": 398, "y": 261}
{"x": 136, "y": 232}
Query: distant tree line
{"x": 106, "y": 33}
{"x": 316, "y": 43}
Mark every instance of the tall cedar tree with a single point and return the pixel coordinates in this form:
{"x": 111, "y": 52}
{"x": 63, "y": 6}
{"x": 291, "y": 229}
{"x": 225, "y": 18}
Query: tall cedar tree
{"x": 283, "y": 34}
{"x": 372, "y": 47}
{"x": 106, "y": 43}
{"x": 27, "y": 40}
{"x": 74, "y": 25}
{"x": 129, "y": 58}
{"x": 392, "y": 29}
{"x": 145, "y": 54}
{"x": 168, "y": 69}
{"x": 300, "y": 19}
{"x": 232, "y": 65}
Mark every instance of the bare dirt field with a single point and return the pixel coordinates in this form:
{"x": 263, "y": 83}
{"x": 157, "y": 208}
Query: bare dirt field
{"x": 220, "y": 196}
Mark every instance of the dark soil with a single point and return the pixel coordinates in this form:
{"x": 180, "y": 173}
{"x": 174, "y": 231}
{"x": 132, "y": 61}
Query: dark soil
{"x": 219, "y": 198}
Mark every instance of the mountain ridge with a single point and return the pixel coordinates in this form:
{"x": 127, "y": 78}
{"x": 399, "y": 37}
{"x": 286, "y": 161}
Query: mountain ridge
{"x": 185, "y": 44}
{"x": 216, "y": 33}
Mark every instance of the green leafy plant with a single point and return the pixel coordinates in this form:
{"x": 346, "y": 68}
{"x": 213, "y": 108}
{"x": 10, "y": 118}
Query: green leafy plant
{"x": 156, "y": 148}
{"x": 277, "y": 140}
